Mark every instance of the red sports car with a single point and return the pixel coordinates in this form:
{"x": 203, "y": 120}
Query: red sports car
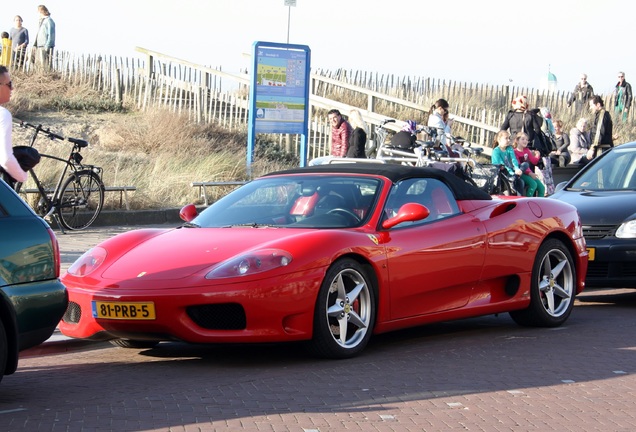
{"x": 330, "y": 255}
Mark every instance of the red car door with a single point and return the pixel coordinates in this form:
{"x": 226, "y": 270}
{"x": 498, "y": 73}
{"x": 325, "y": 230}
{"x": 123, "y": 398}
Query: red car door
{"x": 434, "y": 264}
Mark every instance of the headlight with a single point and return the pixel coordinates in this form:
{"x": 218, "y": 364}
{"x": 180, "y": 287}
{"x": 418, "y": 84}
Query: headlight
{"x": 627, "y": 230}
{"x": 88, "y": 263}
{"x": 251, "y": 263}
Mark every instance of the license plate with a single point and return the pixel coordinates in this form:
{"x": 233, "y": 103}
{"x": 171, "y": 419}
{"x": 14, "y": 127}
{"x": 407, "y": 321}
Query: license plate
{"x": 126, "y": 311}
{"x": 591, "y": 253}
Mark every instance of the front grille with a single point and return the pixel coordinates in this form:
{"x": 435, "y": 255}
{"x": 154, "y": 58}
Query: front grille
{"x": 598, "y": 231}
{"x": 225, "y": 316}
{"x": 628, "y": 270}
{"x": 73, "y": 313}
{"x": 597, "y": 270}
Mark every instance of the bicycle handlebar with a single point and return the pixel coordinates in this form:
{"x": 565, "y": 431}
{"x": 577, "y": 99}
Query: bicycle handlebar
{"x": 51, "y": 135}
{"x": 39, "y": 129}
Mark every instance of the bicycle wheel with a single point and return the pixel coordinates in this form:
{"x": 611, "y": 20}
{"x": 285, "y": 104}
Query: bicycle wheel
{"x": 485, "y": 177}
{"x": 81, "y": 200}
{"x": 504, "y": 186}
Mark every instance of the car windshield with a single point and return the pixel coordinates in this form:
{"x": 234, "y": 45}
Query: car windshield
{"x": 616, "y": 170}
{"x": 298, "y": 201}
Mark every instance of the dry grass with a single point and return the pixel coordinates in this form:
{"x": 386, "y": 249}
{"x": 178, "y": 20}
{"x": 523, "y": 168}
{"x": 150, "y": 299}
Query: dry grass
{"x": 158, "y": 152}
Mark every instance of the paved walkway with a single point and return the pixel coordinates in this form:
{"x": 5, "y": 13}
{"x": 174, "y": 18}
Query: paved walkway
{"x": 481, "y": 374}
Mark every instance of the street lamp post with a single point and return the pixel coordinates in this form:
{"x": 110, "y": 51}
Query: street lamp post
{"x": 289, "y": 4}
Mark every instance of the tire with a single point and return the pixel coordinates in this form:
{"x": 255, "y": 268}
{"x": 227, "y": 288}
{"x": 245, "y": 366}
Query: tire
{"x": 81, "y": 200}
{"x": 4, "y": 350}
{"x": 552, "y": 288}
{"x": 346, "y": 306}
{"x": 129, "y": 343}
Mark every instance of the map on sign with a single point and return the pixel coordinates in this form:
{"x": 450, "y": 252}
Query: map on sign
{"x": 281, "y": 76}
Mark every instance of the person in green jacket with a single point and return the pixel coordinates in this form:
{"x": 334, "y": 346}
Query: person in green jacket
{"x": 504, "y": 155}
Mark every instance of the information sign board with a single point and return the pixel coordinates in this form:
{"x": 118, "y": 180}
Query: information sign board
{"x": 279, "y": 92}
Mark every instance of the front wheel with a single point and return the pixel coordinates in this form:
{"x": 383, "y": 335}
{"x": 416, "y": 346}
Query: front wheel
{"x": 345, "y": 311}
{"x": 552, "y": 288}
{"x": 81, "y": 200}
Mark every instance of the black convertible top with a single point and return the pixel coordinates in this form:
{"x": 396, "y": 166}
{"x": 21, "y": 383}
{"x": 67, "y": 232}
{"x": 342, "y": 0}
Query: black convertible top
{"x": 461, "y": 190}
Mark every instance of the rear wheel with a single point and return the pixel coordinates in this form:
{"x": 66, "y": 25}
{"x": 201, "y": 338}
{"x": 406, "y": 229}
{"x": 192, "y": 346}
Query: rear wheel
{"x": 130, "y": 343}
{"x": 553, "y": 287}
{"x": 81, "y": 200}
{"x": 345, "y": 311}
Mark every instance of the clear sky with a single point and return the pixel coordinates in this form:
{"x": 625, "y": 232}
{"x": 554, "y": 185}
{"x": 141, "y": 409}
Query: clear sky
{"x": 488, "y": 41}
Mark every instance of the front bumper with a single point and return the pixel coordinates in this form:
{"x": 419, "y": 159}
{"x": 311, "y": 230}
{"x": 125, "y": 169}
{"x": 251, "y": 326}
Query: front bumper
{"x": 261, "y": 311}
{"x": 612, "y": 263}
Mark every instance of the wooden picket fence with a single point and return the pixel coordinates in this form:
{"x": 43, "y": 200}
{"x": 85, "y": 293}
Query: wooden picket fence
{"x": 208, "y": 94}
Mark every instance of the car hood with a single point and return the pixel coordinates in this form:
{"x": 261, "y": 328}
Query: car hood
{"x": 180, "y": 253}
{"x": 600, "y": 208}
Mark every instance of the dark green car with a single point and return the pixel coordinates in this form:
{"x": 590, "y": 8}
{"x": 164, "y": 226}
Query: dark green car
{"x": 32, "y": 298}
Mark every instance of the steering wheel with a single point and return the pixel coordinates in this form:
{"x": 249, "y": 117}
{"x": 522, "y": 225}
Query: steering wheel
{"x": 346, "y": 212}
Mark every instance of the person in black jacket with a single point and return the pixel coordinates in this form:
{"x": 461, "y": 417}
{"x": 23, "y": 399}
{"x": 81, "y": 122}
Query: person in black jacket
{"x": 358, "y": 138}
{"x": 521, "y": 119}
{"x": 581, "y": 94}
{"x": 602, "y": 128}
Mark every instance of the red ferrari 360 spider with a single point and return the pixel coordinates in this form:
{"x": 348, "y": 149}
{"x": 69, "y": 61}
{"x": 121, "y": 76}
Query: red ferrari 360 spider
{"x": 330, "y": 255}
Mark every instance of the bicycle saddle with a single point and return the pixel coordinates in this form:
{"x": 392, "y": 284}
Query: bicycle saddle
{"x": 79, "y": 142}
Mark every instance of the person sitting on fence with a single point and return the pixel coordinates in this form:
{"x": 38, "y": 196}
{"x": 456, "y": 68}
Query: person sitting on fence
{"x": 560, "y": 157}
{"x": 358, "y": 139}
{"x": 504, "y": 156}
{"x": 579, "y": 143}
{"x": 340, "y": 133}
{"x": 405, "y": 139}
{"x": 438, "y": 119}
{"x": 528, "y": 160}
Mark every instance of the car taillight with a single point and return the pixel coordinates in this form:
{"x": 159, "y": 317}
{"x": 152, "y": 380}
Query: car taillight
{"x": 56, "y": 252}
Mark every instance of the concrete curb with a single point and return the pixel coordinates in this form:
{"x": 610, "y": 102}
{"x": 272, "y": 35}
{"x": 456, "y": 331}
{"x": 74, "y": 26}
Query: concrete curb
{"x": 137, "y": 217}
{"x": 117, "y": 218}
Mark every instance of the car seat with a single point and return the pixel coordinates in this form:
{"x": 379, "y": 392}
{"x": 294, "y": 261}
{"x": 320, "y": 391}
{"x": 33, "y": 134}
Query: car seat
{"x": 305, "y": 204}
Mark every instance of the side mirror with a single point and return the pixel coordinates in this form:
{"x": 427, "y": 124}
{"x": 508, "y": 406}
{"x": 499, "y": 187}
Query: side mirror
{"x": 188, "y": 213}
{"x": 409, "y": 212}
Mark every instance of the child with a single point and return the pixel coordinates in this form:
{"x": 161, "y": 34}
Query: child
{"x": 527, "y": 161}
{"x": 504, "y": 156}
{"x": 5, "y": 53}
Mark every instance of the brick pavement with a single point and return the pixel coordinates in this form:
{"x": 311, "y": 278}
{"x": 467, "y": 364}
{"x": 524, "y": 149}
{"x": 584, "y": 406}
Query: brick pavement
{"x": 482, "y": 374}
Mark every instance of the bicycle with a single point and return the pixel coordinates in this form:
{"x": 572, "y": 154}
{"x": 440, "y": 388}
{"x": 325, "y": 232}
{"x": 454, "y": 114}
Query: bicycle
{"x": 78, "y": 197}
{"x": 390, "y": 153}
{"x": 375, "y": 145}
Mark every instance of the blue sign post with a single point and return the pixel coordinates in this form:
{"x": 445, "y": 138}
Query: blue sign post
{"x": 279, "y": 94}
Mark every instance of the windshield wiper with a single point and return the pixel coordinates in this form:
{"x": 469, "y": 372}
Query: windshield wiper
{"x": 251, "y": 225}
